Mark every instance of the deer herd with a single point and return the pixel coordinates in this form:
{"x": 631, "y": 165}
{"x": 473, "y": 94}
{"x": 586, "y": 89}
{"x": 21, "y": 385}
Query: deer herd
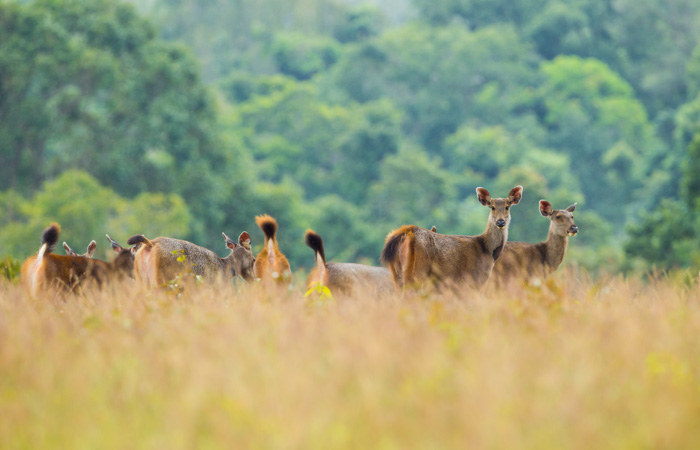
{"x": 414, "y": 257}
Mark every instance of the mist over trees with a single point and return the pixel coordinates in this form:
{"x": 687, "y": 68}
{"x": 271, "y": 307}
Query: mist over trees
{"x": 188, "y": 118}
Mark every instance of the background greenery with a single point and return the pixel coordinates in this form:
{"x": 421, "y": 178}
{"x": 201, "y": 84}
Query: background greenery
{"x": 187, "y": 118}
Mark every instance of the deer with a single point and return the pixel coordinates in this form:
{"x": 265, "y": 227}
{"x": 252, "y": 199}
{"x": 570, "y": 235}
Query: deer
{"x": 345, "y": 278}
{"x": 160, "y": 260}
{"x": 47, "y": 271}
{"x": 127, "y": 263}
{"x": 92, "y": 246}
{"x": 271, "y": 264}
{"x": 416, "y": 255}
{"x": 520, "y": 259}
{"x": 124, "y": 263}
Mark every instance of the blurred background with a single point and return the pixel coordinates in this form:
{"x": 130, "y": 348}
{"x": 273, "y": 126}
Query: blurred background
{"x": 186, "y": 118}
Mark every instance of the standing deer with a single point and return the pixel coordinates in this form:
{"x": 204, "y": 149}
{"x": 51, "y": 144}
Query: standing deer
{"x": 538, "y": 260}
{"x": 271, "y": 264}
{"x": 46, "y": 271}
{"x": 346, "y": 278}
{"x": 160, "y": 260}
{"x": 415, "y": 255}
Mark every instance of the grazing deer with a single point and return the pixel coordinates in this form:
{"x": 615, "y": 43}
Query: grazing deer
{"x": 271, "y": 264}
{"x": 346, "y": 278}
{"x": 92, "y": 246}
{"x": 543, "y": 258}
{"x": 159, "y": 260}
{"x": 46, "y": 271}
{"x": 415, "y": 254}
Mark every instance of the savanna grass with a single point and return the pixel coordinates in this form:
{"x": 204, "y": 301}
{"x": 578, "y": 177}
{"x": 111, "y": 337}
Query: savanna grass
{"x": 570, "y": 363}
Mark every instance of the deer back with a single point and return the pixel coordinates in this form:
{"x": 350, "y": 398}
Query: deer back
{"x": 521, "y": 259}
{"x": 452, "y": 257}
{"x": 158, "y": 263}
{"x": 415, "y": 254}
{"x": 61, "y": 272}
{"x": 350, "y": 279}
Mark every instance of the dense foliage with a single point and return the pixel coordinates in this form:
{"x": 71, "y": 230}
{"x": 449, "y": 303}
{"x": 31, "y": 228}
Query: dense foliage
{"x": 352, "y": 119}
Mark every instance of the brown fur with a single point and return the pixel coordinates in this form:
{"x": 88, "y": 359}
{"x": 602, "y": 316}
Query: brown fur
{"x": 47, "y": 272}
{"x": 523, "y": 260}
{"x": 156, "y": 261}
{"x": 346, "y": 278}
{"x": 415, "y": 255}
{"x": 271, "y": 264}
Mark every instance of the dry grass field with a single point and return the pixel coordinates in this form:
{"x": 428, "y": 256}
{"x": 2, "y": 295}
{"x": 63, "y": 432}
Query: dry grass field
{"x": 570, "y": 364}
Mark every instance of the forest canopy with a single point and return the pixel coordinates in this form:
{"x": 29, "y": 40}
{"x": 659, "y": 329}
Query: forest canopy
{"x": 188, "y": 118}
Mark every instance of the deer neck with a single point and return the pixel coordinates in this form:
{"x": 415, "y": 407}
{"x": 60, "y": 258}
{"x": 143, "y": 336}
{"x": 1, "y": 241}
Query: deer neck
{"x": 227, "y": 262}
{"x": 555, "y": 247}
{"x": 494, "y": 239}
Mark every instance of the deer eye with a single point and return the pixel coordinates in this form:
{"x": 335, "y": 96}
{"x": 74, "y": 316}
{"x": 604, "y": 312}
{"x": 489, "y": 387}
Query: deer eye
{"x": 493, "y": 208}
{"x": 507, "y": 208}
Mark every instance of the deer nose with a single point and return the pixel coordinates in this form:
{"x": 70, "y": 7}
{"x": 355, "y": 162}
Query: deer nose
{"x": 500, "y": 223}
{"x": 573, "y": 230}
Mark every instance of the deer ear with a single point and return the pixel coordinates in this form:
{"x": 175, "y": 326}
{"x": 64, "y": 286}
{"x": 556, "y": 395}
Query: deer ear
{"x": 572, "y": 207}
{"x": 116, "y": 247}
{"x": 69, "y": 251}
{"x": 91, "y": 249}
{"x": 434, "y": 229}
{"x": 545, "y": 208}
{"x": 244, "y": 240}
{"x": 230, "y": 243}
{"x": 515, "y": 195}
{"x": 483, "y": 196}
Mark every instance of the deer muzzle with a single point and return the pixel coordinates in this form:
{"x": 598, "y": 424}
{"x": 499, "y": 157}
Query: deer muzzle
{"x": 573, "y": 230}
{"x": 501, "y": 223}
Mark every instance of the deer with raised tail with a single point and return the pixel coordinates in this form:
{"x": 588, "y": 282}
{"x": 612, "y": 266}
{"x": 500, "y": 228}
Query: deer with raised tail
{"x": 416, "y": 255}
{"x": 346, "y": 278}
{"x": 50, "y": 273}
{"x": 271, "y": 264}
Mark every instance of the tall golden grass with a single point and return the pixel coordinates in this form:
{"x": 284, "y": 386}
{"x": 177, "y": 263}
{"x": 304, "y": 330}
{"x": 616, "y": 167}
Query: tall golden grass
{"x": 569, "y": 364}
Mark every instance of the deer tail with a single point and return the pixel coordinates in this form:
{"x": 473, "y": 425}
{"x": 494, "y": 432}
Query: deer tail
{"x": 48, "y": 239}
{"x": 314, "y": 241}
{"x": 139, "y": 239}
{"x": 268, "y": 225}
{"x": 402, "y": 271}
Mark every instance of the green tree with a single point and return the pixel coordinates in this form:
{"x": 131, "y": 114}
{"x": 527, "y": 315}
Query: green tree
{"x": 413, "y": 189}
{"x": 646, "y": 41}
{"x": 360, "y": 23}
{"x": 668, "y": 235}
{"x": 230, "y": 35}
{"x": 302, "y": 56}
{"x": 592, "y": 115}
{"x": 440, "y": 77}
{"x": 88, "y": 85}
{"x": 665, "y": 237}
{"x": 87, "y": 210}
{"x": 327, "y": 148}
{"x": 349, "y": 233}
{"x": 479, "y": 13}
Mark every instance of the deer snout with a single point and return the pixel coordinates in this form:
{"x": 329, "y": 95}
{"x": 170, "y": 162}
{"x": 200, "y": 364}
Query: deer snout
{"x": 573, "y": 230}
{"x": 501, "y": 223}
